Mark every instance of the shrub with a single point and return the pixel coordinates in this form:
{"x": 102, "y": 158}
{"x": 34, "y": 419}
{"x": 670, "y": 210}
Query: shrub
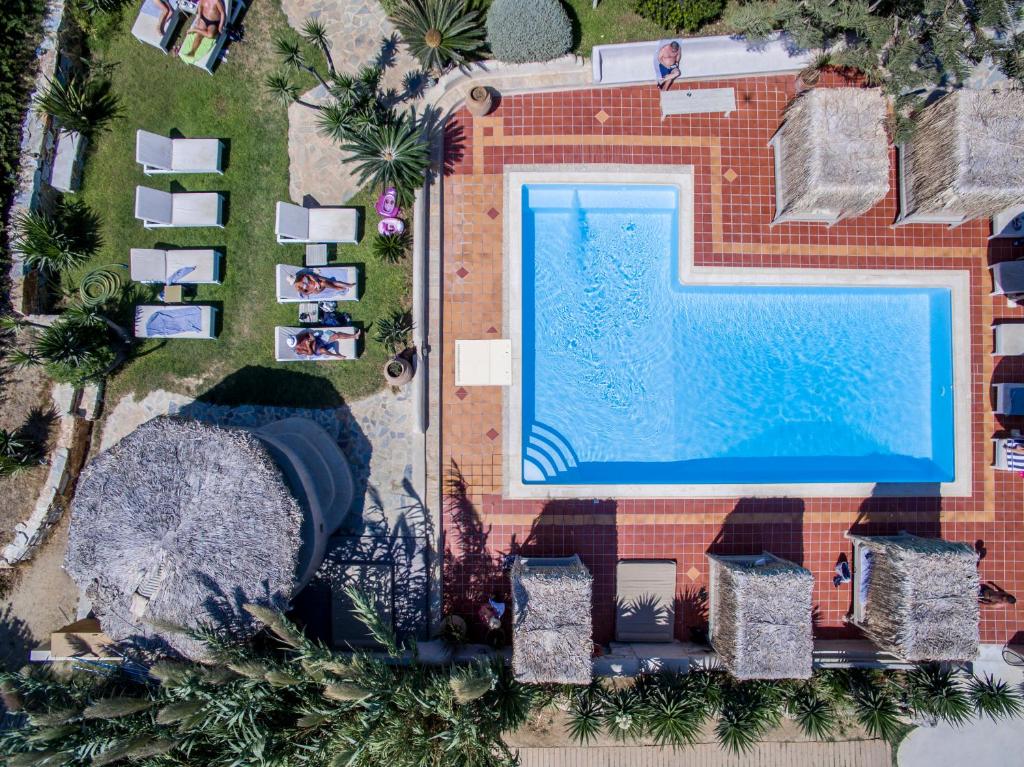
{"x": 391, "y": 248}
{"x": 439, "y": 33}
{"x": 80, "y": 105}
{"x": 690, "y": 15}
{"x": 393, "y": 332}
{"x": 528, "y": 30}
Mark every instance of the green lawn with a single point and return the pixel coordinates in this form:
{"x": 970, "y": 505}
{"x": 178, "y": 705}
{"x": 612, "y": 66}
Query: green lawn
{"x": 613, "y": 21}
{"x": 161, "y": 94}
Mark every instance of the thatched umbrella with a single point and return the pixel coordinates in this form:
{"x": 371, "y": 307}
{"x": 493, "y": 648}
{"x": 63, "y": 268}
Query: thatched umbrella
{"x": 831, "y": 155}
{"x": 181, "y": 523}
{"x": 917, "y": 598}
{"x": 552, "y": 625}
{"x": 964, "y": 159}
{"x": 760, "y": 616}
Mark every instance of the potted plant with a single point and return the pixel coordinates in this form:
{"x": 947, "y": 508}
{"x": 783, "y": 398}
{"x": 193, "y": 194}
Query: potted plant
{"x": 480, "y": 101}
{"x": 393, "y": 332}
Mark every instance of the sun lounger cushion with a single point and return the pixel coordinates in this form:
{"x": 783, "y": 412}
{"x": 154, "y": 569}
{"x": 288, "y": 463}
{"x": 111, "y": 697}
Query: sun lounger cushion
{"x": 147, "y": 25}
{"x": 156, "y": 208}
{"x": 645, "y": 600}
{"x": 1009, "y": 399}
{"x": 1009, "y": 339}
{"x": 160, "y": 154}
{"x": 1008, "y": 278}
{"x": 295, "y": 223}
{"x": 287, "y": 293}
{"x": 284, "y": 353}
{"x": 1014, "y": 460}
{"x": 174, "y": 321}
{"x": 182, "y": 266}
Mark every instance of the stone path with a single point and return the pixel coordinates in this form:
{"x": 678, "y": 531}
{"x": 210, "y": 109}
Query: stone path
{"x": 357, "y": 30}
{"x": 376, "y": 434}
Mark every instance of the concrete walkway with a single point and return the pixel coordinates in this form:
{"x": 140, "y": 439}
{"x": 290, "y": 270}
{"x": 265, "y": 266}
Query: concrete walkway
{"x": 981, "y": 743}
{"x": 357, "y": 30}
{"x": 857, "y": 753}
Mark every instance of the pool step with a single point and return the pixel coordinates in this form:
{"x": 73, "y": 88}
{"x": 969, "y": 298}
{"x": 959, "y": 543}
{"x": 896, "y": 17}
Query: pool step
{"x": 546, "y": 455}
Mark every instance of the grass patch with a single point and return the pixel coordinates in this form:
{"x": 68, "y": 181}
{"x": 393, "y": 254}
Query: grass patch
{"x": 613, "y": 21}
{"x": 162, "y": 94}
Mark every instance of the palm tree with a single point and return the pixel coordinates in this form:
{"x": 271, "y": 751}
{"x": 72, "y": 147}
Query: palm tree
{"x": 285, "y": 91}
{"x": 314, "y": 32}
{"x": 290, "y": 51}
{"x": 994, "y": 698}
{"x": 937, "y": 692}
{"x": 393, "y": 154}
{"x": 748, "y": 710}
{"x": 60, "y": 242}
{"x": 439, "y": 33}
{"x": 810, "y": 706}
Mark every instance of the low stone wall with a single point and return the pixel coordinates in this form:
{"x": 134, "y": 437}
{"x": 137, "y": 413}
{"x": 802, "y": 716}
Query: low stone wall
{"x": 38, "y": 147}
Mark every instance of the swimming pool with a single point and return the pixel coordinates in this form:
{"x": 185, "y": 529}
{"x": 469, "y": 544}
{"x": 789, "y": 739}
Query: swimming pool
{"x": 629, "y": 377}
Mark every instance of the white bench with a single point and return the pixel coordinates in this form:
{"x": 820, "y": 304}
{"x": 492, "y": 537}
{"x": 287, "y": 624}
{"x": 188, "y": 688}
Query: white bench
{"x": 700, "y": 58}
{"x": 65, "y": 174}
{"x": 695, "y": 101}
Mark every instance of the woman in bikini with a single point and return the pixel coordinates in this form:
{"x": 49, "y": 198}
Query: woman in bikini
{"x": 310, "y": 283}
{"x": 310, "y": 344}
{"x": 209, "y": 22}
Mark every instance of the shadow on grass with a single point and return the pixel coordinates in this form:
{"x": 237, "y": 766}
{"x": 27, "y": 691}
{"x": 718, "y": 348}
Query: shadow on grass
{"x": 257, "y": 385}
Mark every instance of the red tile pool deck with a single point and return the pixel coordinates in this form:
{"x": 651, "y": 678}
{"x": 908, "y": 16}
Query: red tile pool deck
{"x": 734, "y": 203}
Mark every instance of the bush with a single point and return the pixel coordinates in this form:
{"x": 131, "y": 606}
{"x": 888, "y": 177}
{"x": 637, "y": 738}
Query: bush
{"x": 690, "y": 15}
{"x": 528, "y": 30}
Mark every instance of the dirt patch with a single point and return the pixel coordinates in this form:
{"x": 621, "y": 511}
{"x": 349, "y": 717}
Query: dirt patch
{"x": 40, "y": 599}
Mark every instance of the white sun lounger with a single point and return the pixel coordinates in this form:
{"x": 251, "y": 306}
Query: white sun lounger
{"x": 160, "y": 154}
{"x": 158, "y": 210}
{"x": 296, "y": 224}
{"x": 284, "y": 353}
{"x": 287, "y": 294}
{"x": 233, "y": 10}
{"x": 160, "y": 266}
{"x": 147, "y": 25}
{"x": 207, "y": 316}
{"x": 645, "y": 600}
{"x": 1007, "y": 460}
{"x": 1008, "y": 338}
{"x": 1009, "y": 399}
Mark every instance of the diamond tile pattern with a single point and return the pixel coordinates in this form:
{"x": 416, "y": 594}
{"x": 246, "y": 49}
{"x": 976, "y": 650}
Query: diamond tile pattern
{"x": 462, "y": 272}
{"x": 493, "y": 213}
{"x": 732, "y": 218}
{"x": 461, "y": 393}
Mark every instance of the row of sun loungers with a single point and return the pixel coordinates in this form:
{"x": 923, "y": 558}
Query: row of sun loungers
{"x": 147, "y": 30}
{"x": 1008, "y": 341}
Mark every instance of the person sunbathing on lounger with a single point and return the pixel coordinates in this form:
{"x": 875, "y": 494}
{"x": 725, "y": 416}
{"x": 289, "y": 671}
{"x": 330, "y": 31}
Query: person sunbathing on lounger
{"x": 310, "y": 283}
{"x": 310, "y": 344}
{"x": 209, "y": 23}
{"x": 668, "y": 65}
{"x": 165, "y": 13}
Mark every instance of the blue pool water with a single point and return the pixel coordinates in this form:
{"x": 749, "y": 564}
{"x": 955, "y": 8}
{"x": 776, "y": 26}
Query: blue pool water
{"x": 630, "y": 377}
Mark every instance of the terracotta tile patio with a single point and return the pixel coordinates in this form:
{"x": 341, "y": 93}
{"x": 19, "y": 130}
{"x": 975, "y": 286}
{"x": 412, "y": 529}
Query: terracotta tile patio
{"x": 733, "y": 206}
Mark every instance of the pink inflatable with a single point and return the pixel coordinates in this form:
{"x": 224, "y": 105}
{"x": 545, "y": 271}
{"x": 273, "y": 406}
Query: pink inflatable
{"x": 387, "y": 204}
{"x": 391, "y": 226}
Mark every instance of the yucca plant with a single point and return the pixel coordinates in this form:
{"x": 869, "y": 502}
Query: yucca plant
{"x": 85, "y": 105}
{"x": 391, "y": 155}
{"x": 994, "y": 698}
{"x": 290, "y": 51}
{"x": 811, "y": 709}
{"x": 314, "y": 32}
{"x": 748, "y": 710}
{"x": 623, "y": 714}
{"x": 469, "y": 683}
{"x": 59, "y": 242}
{"x": 439, "y": 33}
{"x": 586, "y": 715}
{"x": 877, "y": 710}
{"x": 77, "y": 348}
{"x": 674, "y": 716}
{"x": 393, "y": 331}
{"x": 285, "y": 91}
{"x": 937, "y": 692}
{"x": 392, "y": 248}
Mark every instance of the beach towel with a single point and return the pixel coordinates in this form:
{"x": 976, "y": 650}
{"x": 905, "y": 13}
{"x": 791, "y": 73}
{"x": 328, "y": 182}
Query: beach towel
{"x": 180, "y": 274}
{"x": 204, "y": 49}
{"x": 172, "y": 322}
{"x": 1014, "y": 460}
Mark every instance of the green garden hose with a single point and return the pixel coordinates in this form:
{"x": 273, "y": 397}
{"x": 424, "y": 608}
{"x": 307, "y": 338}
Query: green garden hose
{"x": 101, "y": 285}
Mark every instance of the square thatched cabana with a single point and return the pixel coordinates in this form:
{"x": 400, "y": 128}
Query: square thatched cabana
{"x": 831, "y": 155}
{"x": 760, "y": 616}
{"x": 964, "y": 159}
{"x": 552, "y": 626}
{"x": 917, "y": 598}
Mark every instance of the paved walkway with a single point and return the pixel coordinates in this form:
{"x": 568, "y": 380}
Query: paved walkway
{"x": 357, "y": 30}
{"x": 375, "y": 433}
{"x": 857, "y": 753}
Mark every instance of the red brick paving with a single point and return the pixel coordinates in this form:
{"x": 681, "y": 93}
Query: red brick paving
{"x": 481, "y": 527}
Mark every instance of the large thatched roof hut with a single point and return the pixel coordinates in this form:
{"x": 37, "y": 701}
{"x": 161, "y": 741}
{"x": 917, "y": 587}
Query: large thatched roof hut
{"x": 552, "y": 624}
{"x": 831, "y": 155}
{"x": 181, "y": 523}
{"x": 964, "y": 159}
{"x": 917, "y": 598}
{"x": 760, "y": 616}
